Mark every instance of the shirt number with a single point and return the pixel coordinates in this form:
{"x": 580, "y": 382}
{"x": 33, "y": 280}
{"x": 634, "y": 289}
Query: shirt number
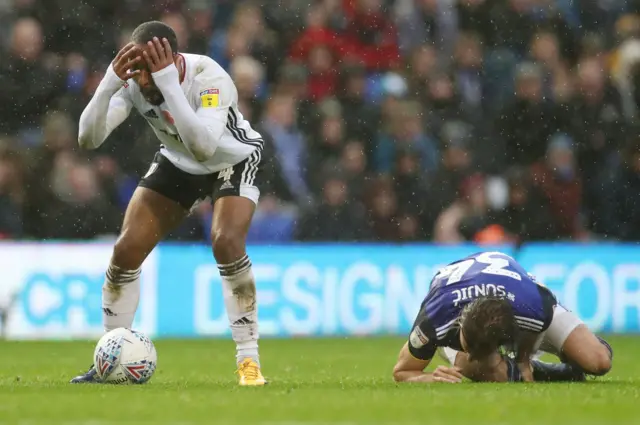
{"x": 496, "y": 265}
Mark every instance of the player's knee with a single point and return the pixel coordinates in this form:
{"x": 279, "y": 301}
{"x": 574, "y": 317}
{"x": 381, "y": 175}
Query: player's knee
{"x": 228, "y": 245}
{"x": 600, "y": 361}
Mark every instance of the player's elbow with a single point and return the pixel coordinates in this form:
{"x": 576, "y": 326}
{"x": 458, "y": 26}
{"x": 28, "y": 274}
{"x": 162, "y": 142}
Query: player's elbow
{"x": 204, "y": 145}
{"x": 203, "y": 153}
{"x": 86, "y": 141}
{"x": 399, "y": 374}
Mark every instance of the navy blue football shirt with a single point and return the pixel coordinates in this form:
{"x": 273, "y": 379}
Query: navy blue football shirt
{"x": 461, "y": 282}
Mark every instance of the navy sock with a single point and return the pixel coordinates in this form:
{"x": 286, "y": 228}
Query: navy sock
{"x": 556, "y": 372}
{"x": 606, "y": 344}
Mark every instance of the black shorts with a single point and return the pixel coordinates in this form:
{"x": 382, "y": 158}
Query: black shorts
{"x": 188, "y": 189}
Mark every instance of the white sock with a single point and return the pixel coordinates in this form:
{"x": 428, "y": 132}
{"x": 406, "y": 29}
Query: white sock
{"x": 239, "y": 291}
{"x": 120, "y": 296}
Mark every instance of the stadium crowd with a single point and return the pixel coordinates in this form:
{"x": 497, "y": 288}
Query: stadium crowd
{"x": 444, "y": 120}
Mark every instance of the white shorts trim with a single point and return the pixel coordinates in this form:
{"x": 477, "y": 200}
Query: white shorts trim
{"x": 562, "y": 324}
{"x": 250, "y": 192}
{"x": 448, "y": 354}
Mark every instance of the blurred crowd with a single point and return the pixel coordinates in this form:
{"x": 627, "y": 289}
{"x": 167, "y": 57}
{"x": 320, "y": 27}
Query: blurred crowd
{"x": 384, "y": 120}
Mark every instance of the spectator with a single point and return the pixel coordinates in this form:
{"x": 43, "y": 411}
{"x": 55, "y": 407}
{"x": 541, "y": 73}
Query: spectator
{"x": 370, "y": 37}
{"x": 526, "y": 216}
{"x": 383, "y": 207}
{"x": 272, "y": 222}
{"x": 559, "y": 181}
{"x": 353, "y": 163}
{"x": 357, "y": 112}
{"x": 467, "y": 215}
{"x": 513, "y": 25}
{"x": 598, "y": 124}
{"x": 433, "y": 21}
{"x": 11, "y": 193}
{"x": 410, "y": 184}
{"x": 248, "y": 75}
{"x": 335, "y": 219}
{"x": 457, "y": 164}
{"x": 423, "y": 61}
{"x": 475, "y": 16}
{"x": 469, "y": 81}
{"x": 442, "y": 102}
{"x": 406, "y": 133}
{"x": 290, "y": 146}
{"x": 78, "y": 210}
{"x": 28, "y": 86}
{"x": 619, "y": 208}
{"x": 179, "y": 24}
{"x": 528, "y": 120}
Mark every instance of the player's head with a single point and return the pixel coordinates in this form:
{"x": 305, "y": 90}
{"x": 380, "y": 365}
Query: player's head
{"x": 486, "y": 324}
{"x": 141, "y": 36}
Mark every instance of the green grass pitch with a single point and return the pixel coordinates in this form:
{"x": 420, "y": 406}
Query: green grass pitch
{"x": 313, "y": 381}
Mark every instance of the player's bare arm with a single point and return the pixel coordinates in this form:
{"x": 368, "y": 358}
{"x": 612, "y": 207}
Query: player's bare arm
{"x": 199, "y": 134}
{"x": 411, "y": 369}
{"x": 106, "y": 111}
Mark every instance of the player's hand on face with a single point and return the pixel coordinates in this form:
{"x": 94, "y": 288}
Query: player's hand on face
{"x": 446, "y": 374}
{"x": 126, "y": 59}
{"x": 158, "y": 54}
{"x": 526, "y": 371}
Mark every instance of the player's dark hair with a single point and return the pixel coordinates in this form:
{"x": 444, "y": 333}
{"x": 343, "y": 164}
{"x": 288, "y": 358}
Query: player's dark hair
{"x": 146, "y": 31}
{"x": 488, "y": 323}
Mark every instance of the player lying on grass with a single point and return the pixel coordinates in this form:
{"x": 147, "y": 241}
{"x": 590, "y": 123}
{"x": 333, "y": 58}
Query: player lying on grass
{"x": 483, "y": 303}
{"x": 207, "y": 150}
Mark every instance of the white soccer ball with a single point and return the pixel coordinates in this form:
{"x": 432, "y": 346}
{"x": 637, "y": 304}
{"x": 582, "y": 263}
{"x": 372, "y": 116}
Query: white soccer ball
{"x": 125, "y": 356}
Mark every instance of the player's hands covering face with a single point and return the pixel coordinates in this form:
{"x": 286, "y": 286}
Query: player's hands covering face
{"x": 125, "y": 62}
{"x": 158, "y": 55}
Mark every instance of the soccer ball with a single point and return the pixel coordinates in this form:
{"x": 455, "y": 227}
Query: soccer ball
{"x": 125, "y": 356}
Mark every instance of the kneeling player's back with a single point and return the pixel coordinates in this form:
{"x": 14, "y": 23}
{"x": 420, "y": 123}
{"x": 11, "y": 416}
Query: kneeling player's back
{"x": 488, "y": 274}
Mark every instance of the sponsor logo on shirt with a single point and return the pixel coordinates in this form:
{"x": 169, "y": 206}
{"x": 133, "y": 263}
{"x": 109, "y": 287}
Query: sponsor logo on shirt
{"x": 209, "y": 98}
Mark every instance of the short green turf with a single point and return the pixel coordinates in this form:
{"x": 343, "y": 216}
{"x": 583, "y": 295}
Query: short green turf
{"x": 313, "y": 381}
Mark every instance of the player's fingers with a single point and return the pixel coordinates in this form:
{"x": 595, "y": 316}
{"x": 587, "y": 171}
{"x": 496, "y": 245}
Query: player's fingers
{"x": 132, "y": 62}
{"x": 455, "y": 371}
{"x": 448, "y": 373}
{"x": 443, "y": 379}
{"x": 454, "y": 378}
{"x": 147, "y": 59}
{"x": 167, "y": 47}
{"x": 127, "y": 51}
{"x": 152, "y": 53}
{"x": 160, "y": 49}
{"x": 131, "y": 74}
{"x": 131, "y": 53}
{"x": 124, "y": 49}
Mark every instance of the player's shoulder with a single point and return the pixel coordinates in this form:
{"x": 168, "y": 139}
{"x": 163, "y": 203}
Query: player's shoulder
{"x": 202, "y": 68}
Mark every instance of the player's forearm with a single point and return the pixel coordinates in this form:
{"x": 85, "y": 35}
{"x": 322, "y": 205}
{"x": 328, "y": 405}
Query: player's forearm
{"x": 201, "y": 139}
{"x": 94, "y": 127}
{"x": 413, "y": 376}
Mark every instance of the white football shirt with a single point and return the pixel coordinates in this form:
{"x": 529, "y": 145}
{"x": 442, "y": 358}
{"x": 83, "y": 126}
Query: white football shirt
{"x": 212, "y": 95}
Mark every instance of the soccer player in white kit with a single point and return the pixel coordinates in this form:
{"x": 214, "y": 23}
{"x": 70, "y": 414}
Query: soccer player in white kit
{"x": 207, "y": 150}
